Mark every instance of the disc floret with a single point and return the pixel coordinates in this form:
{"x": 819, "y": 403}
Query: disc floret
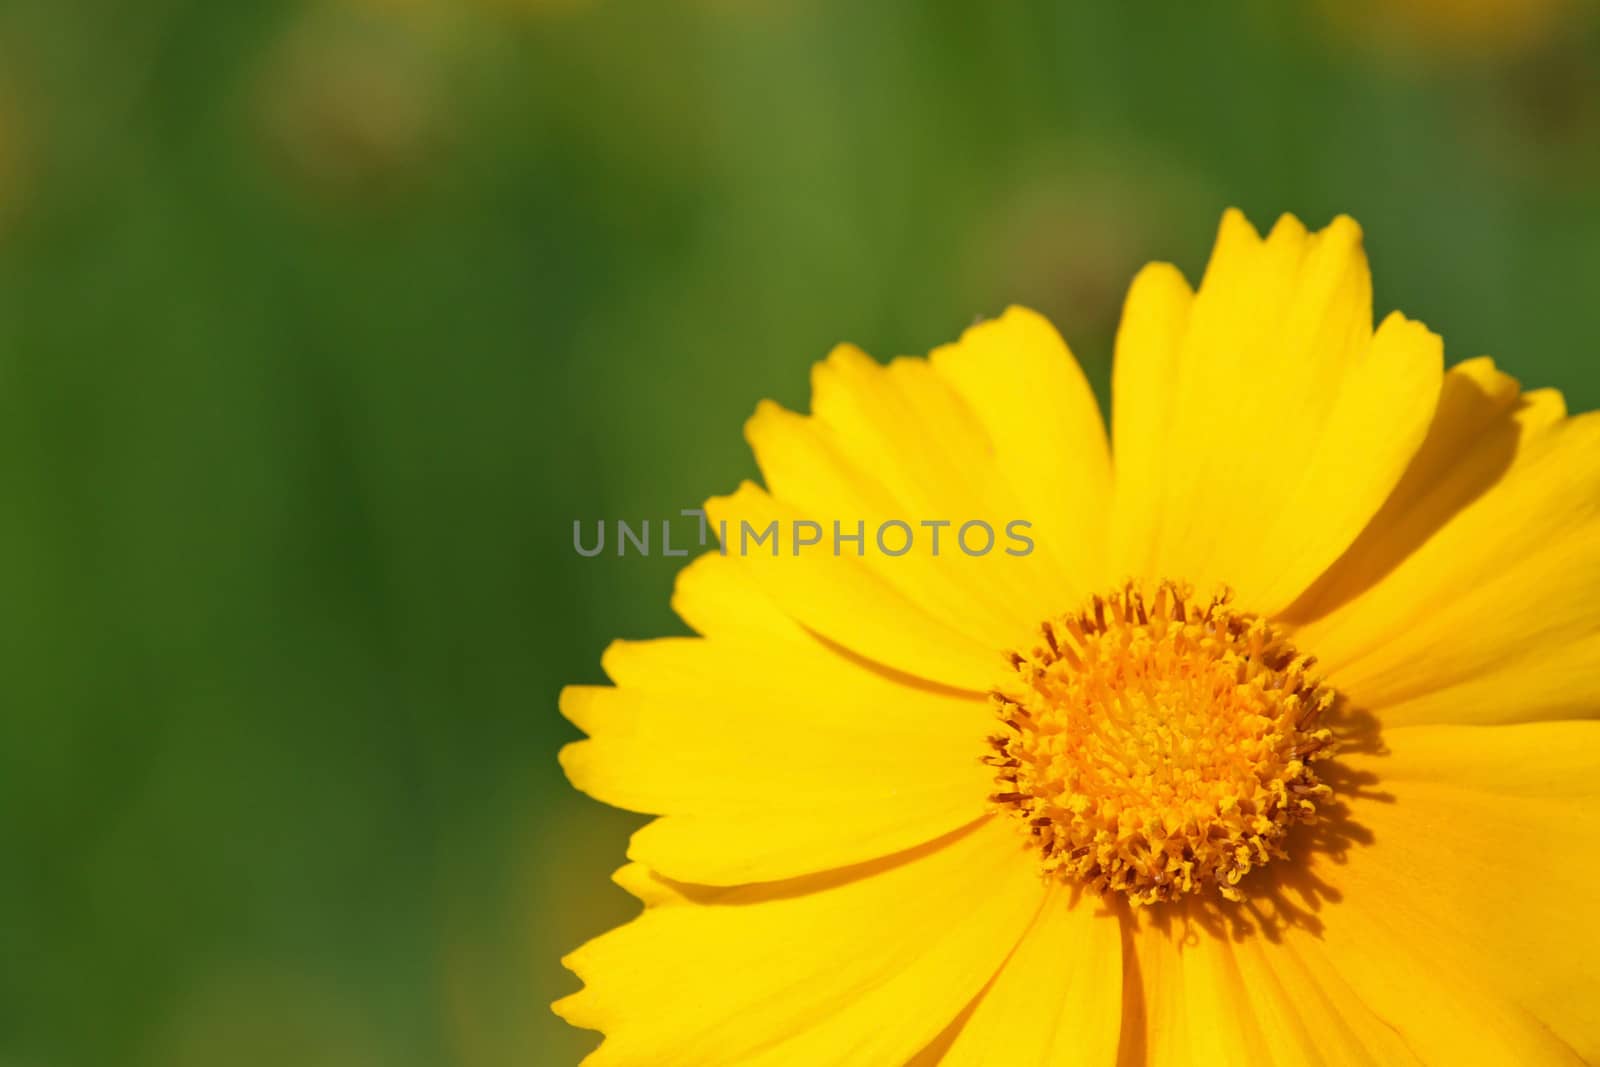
{"x": 1156, "y": 744}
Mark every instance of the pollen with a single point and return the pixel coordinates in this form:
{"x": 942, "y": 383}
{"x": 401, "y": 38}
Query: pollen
{"x": 1156, "y": 744}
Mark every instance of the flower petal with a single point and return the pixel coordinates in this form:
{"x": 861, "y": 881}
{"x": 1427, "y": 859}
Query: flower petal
{"x": 807, "y": 469}
{"x": 1476, "y": 429}
{"x": 1304, "y": 1011}
{"x": 1205, "y": 988}
{"x": 1467, "y": 918}
{"x": 769, "y": 753}
{"x": 859, "y": 967}
{"x": 1149, "y": 339}
{"x": 1289, "y": 418}
{"x": 999, "y": 429}
{"x": 717, "y": 599}
{"x": 1057, "y": 1000}
{"x": 1491, "y": 618}
{"x": 1026, "y": 389}
{"x": 843, "y": 599}
{"x": 1188, "y": 995}
{"x": 1447, "y": 916}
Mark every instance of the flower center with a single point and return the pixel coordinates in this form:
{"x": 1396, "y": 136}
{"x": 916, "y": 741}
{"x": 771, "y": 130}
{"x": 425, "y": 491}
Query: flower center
{"x": 1156, "y": 744}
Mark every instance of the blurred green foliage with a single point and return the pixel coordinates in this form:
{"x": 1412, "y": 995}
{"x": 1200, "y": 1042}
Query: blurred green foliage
{"x": 320, "y": 323}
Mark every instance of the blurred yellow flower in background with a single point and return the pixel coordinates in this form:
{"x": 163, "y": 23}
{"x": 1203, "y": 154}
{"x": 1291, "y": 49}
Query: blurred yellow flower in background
{"x": 428, "y": 10}
{"x": 351, "y": 100}
{"x": 1484, "y": 28}
{"x": 14, "y": 156}
{"x": 1073, "y": 806}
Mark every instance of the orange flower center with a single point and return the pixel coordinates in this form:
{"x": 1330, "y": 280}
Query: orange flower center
{"x": 1156, "y": 744}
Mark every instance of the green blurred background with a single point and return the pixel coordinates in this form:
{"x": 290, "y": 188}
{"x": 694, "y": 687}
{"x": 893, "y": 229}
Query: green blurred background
{"x": 320, "y": 323}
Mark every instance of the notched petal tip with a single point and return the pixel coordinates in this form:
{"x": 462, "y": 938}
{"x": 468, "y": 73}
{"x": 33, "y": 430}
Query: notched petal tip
{"x": 719, "y": 506}
{"x": 770, "y": 418}
{"x": 574, "y": 1007}
{"x": 1234, "y": 221}
{"x": 1237, "y": 242}
{"x": 1415, "y": 330}
{"x": 989, "y": 340}
{"x": 690, "y": 587}
{"x": 837, "y": 381}
{"x": 574, "y": 762}
{"x": 1024, "y": 320}
{"x": 610, "y": 658}
{"x": 1288, "y": 229}
{"x": 577, "y": 703}
{"x": 1483, "y": 371}
{"x": 1161, "y": 273}
{"x": 1400, "y": 338}
{"x": 1345, "y": 230}
{"x": 844, "y": 360}
{"x": 1551, "y": 405}
{"x": 640, "y": 882}
{"x": 1020, "y": 315}
{"x": 1236, "y": 233}
{"x": 562, "y": 1005}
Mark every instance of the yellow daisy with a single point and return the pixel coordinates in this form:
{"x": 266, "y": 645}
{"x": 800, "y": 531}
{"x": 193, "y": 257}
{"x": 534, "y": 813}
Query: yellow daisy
{"x": 1278, "y": 747}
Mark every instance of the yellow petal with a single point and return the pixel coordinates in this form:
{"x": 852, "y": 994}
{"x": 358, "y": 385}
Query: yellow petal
{"x": 1289, "y": 420}
{"x": 1448, "y": 916}
{"x": 858, "y": 967}
{"x": 1464, "y": 911}
{"x": 1304, "y": 1012}
{"x": 1188, "y": 994}
{"x": 998, "y": 429}
{"x": 757, "y": 784}
{"x": 1485, "y": 609}
{"x": 807, "y": 470}
{"x": 843, "y": 599}
{"x": 650, "y": 888}
{"x": 1026, "y": 389}
{"x": 1154, "y": 320}
{"x": 769, "y": 802}
{"x": 1476, "y": 429}
{"x": 1057, "y": 1000}
{"x": 769, "y": 753}
{"x": 717, "y": 599}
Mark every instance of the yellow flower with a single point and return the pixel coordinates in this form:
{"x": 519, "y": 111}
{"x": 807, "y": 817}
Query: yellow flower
{"x": 1079, "y": 805}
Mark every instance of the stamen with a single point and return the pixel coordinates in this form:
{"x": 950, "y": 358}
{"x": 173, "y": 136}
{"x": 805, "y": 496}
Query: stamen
{"x": 1158, "y": 746}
